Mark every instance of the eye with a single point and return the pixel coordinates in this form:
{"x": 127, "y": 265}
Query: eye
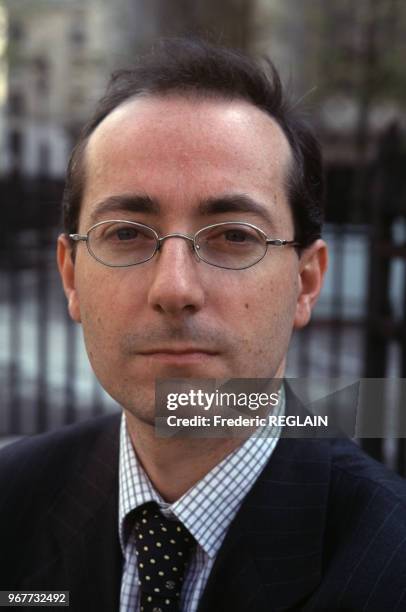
{"x": 126, "y": 233}
{"x": 121, "y": 233}
{"x": 231, "y": 236}
{"x": 236, "y": 235}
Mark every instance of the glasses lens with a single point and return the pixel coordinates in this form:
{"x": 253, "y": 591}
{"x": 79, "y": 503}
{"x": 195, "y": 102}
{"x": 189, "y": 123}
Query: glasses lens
{"x": 231, "y": 245}
{"x": 121, "y": 243}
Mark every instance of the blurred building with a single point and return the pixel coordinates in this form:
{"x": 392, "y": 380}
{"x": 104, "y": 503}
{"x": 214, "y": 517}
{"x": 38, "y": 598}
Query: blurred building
{"x": 342, "y": 60}
{"x": 59, "y": 55}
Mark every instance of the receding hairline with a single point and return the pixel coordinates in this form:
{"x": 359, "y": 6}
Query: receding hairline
{"x": 190, "y": 95}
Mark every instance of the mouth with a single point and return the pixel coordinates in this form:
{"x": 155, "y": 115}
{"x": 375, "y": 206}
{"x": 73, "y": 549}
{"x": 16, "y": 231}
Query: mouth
{"x": 180, "y": 356}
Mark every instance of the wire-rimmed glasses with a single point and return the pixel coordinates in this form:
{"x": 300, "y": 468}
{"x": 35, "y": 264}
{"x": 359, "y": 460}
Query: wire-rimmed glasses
{"x": 233, "y": 245}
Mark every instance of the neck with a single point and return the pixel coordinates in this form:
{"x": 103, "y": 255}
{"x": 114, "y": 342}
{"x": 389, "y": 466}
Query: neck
{"x": 175, "y": 465}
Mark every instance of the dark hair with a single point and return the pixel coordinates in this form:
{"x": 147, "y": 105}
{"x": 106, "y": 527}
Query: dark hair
{"x": 197, "y": 67}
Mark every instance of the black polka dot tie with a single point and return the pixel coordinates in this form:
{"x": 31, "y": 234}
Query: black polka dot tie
{"x": 164, "y": 548}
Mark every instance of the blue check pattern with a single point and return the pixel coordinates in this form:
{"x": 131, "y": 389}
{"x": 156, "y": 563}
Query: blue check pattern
{"x": 206, "y": 510}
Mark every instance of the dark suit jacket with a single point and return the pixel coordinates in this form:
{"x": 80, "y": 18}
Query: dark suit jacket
{"x": 323, "y": 528}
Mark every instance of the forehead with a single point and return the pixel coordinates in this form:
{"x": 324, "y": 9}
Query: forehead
{"x": 179, "y": 149}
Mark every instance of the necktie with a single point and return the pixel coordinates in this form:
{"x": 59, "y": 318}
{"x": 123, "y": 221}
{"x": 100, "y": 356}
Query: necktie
{"x": 164, "y": 548}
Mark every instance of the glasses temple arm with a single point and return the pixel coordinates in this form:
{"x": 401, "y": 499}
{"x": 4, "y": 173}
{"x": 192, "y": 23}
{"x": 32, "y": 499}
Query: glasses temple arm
{"x": 77, "y": 237}
{"x": 278, "y": 242}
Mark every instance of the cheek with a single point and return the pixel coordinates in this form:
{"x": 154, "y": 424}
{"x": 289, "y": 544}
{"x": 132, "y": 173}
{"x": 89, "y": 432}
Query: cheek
{"x": 102, "y": 306}
{"x": 106, "y": 290}
{"x": 256, "y": 293}
{"x": 268, "y": 305}
{"x": 98, "y": 331}
{"x": 259, "y": 295}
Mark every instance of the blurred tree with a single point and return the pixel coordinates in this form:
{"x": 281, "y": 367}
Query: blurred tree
{"x": 358, "y": 53}
{"x": 361, "y": 45}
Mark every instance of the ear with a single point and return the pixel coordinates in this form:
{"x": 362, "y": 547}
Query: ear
{"x": 312, "y": 268}
{"x": 66, "y": 267}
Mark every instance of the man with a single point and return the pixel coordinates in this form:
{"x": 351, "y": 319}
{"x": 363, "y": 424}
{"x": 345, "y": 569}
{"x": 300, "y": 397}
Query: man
{"x": 195, "y": 137}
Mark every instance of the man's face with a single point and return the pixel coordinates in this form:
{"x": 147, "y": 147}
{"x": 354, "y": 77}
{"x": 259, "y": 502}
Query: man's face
{"x": 176, "y": 316}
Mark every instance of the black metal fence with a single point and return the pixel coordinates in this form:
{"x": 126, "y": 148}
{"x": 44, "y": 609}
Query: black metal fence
{"x": 44, "y": 375}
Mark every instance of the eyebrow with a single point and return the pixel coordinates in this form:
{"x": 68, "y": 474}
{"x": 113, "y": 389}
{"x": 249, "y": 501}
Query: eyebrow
{"x": 136, "y": 203}
{"x": 141, "y": 203}
{"x": 238, "y": 202}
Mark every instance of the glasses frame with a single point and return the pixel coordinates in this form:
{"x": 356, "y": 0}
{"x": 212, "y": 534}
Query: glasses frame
{"x": 192, "y": 238}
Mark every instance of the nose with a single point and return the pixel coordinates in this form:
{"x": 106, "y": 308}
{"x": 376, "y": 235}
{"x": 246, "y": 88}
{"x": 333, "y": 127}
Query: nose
{"x": 176, "y": 286}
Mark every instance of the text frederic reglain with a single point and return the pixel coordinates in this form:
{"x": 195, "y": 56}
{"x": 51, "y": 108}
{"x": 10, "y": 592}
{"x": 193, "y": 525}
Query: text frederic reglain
{"x": 206, "y": 401}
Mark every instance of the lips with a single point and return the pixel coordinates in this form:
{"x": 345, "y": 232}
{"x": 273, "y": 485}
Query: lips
{"x": 177, "y": 351}
{"x": 179, "y": 355}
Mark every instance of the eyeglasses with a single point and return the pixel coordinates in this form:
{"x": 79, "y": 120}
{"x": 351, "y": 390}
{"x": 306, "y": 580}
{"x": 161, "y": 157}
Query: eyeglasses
{"x": 230, "y": 245}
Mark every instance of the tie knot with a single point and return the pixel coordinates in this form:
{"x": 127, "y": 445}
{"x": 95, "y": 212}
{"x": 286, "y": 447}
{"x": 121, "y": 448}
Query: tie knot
{"x": 164, "y": 548}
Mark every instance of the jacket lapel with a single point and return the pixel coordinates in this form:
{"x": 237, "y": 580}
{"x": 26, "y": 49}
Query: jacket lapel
{"x": 271, "y": 558}
{"x": 81, "y": 547}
